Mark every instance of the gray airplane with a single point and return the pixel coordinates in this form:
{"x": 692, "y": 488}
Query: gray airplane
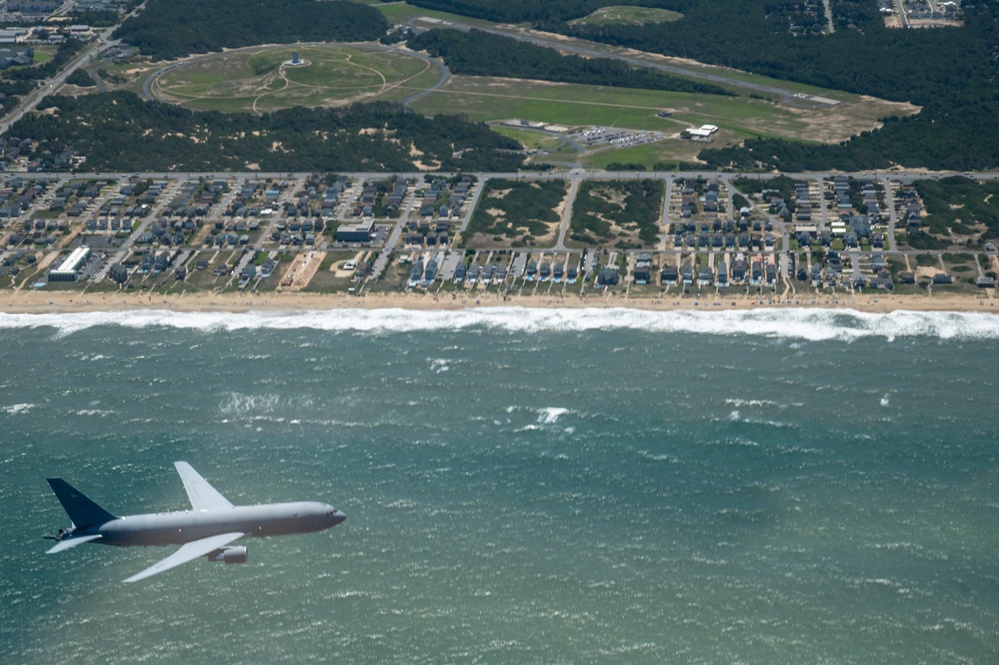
{"x": 205, "y": 530}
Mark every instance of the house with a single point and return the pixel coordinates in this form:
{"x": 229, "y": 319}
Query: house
{"x": 642, "y": 273}
{"x": 118, "y": 273}
{"x": 430, "y": 272}
{"x": 416, "y": 273}
{"x": 739, "y": 271}
{"x": 608, "y": 276}
{"x": 722, "y": 274}
{"x": 668, "y": 275}
{"x": 883, "y": 281}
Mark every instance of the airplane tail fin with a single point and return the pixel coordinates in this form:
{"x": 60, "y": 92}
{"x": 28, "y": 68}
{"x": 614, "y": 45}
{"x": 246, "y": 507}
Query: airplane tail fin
{"x": 81, "y": 509}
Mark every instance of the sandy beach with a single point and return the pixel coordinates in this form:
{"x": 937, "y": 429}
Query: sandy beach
{"x": 35, "y": 302}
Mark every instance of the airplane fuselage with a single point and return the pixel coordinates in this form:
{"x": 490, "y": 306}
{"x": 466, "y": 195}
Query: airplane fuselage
{"x": 178, "y": 528}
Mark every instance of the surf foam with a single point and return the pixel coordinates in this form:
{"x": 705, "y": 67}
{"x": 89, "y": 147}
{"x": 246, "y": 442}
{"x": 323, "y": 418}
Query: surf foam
{"x": 807, "y": 324}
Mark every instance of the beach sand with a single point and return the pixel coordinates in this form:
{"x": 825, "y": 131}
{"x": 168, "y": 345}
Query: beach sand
{"x": 37, "y": 302}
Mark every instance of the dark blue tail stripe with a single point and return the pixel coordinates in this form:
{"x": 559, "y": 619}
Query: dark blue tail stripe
{"x": 82, "y": 510}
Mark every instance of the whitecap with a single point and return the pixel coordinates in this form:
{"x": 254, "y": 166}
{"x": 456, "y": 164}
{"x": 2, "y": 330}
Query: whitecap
{"x": 551, "y": 414}
{"x": 807, "y": 324}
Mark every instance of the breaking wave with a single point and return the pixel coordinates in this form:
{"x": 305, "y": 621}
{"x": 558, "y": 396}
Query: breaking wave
{"x": 807, "y": 324}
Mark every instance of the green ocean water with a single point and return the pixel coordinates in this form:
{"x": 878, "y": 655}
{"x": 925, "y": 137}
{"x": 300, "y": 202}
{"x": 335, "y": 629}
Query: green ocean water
{"x": 521, "y": 486}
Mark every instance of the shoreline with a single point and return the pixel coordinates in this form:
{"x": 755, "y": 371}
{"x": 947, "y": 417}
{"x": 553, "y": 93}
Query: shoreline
{"x": 33, "y": 302}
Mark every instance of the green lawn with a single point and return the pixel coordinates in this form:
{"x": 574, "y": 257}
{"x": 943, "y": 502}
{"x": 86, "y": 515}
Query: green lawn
{"x": 489, "y": 98}
{"x": 258, "y": 78}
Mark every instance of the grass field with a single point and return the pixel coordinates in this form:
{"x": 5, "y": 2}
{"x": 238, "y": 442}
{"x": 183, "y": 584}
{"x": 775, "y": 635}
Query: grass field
{"x": 487, "y": 99}
{"x": 624, "y": 15}
{"x": 260, "y": 80}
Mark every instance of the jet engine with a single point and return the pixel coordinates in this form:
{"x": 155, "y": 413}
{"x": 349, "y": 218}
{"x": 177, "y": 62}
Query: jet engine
{"x": 229, "y": 555}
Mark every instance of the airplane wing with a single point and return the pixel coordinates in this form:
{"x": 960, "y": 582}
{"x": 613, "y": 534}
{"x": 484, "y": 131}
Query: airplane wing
{"x": 202, "y": 495}
{"x": 71, "y": 542}
{"x": 188, "y": 552}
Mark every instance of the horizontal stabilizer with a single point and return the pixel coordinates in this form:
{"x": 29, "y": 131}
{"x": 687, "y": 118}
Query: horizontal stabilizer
{"x": 71, "y": 542}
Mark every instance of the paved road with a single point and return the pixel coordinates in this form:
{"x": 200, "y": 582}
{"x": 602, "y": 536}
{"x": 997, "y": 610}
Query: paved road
{"x": 892, "y": 215}
{"x": 445, "y": 75}
{"x": 567, "y": 214}
{"x": 830, "y": 28}
{"x": 243, "y": 176}
{"x": 596, "y": 50}
{"x": 48, "y": 86}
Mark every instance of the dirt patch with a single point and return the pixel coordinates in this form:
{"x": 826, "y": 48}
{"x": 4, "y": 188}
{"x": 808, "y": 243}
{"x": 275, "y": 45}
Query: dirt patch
{"x": 433, "y": 166}
{"x": 302, "y": 269}
{"x": 926, "y": 271}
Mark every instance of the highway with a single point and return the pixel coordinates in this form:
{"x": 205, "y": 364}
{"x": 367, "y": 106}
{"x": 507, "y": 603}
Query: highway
{"x": 48, "y": 86}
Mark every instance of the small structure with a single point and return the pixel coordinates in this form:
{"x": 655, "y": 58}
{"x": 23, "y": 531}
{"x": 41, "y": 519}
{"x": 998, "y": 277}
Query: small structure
{"x": 295, "y": 61}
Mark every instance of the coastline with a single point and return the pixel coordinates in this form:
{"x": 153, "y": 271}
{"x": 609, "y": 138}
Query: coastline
{"x": 35, "y": 302}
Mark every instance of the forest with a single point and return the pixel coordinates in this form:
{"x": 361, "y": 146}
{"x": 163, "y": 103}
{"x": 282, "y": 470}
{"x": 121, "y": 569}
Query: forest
{"x": 478, "y": 53}
{"x": 632, "y": 205}
{"x": 114, "y": 131}
{"x": 517, "y": 210}
{"x": 168, "y": 29}
{"x": 955, "y": 205}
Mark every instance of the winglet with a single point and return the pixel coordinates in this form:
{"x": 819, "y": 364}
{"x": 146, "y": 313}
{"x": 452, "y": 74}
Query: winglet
{"x": 202, "y": 495}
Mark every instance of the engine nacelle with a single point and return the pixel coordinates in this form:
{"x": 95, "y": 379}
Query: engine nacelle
{"x": 229, "y": 555}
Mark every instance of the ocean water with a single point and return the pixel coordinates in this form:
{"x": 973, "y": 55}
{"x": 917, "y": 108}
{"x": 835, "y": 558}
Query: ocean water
{"x": 522, "y": 486}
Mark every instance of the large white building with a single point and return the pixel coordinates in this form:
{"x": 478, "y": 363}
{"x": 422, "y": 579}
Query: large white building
{"x": 67, "y": 270}
{"x": 702, "y": 133}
